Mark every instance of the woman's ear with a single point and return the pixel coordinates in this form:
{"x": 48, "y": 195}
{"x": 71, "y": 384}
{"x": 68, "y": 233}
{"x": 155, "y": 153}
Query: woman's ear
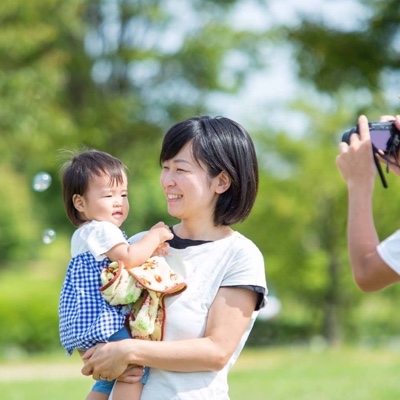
{"x": 223, "y": 182}
{"x": 78, "y": 202}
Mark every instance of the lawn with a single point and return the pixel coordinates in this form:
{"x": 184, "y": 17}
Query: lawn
{"x": 259, "y": 374}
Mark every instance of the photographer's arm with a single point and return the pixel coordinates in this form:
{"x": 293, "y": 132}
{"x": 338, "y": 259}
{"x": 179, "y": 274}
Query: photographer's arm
{"x": 355, "y": 162}
{"x": 370, "y": 272}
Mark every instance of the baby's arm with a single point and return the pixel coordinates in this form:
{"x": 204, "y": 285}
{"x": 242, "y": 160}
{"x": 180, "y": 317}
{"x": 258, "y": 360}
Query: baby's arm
{"x": 137, "y": 253}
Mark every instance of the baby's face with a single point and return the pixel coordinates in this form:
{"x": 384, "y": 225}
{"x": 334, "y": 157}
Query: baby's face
{"x": 105, "y": 200}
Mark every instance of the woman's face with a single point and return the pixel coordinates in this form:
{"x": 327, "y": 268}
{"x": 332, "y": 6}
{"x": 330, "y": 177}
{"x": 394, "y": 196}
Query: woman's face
{"x": 189, "y": 190}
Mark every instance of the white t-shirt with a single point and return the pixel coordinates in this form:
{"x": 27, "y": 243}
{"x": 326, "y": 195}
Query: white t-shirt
{"x": 389, "y": 250}
{"x": 232, "y": 261}
{"x": 96, "y": 237}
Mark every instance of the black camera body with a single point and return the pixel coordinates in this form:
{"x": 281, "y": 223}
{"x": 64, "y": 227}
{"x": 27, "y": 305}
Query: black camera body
{"x": 385, "y": 137}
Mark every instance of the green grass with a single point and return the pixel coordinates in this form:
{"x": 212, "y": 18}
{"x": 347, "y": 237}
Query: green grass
{"x": 259, "y": 374}
{"x": 325, "y": 375}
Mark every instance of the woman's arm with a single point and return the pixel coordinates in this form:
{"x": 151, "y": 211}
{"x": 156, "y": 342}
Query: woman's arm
{"x": 228, "y": 318}
{"x": 370, "y": 272}
{"x": 357, "y": 167}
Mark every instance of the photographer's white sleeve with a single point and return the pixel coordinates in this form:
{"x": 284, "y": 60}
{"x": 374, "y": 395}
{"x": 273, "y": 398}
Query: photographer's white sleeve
{"x": 389, "y": 251}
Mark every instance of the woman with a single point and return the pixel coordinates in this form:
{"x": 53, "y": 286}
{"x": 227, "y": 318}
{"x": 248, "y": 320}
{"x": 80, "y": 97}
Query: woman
{"x": 210, "y": 180}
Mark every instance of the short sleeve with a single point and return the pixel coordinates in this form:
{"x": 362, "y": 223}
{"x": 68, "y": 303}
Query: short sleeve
{"x": 247, "y": 266}
{"x": 247, "y": 270}
{"x": 98, "y": 238}
{"x": 389, "y": 251}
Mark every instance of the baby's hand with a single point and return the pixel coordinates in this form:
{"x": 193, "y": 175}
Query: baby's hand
{"x": 163, "y": 231}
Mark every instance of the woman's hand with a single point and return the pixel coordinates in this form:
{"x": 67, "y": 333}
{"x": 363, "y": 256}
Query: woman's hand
{"x": 355, "y": 160}
{"x": 108, "y": 361}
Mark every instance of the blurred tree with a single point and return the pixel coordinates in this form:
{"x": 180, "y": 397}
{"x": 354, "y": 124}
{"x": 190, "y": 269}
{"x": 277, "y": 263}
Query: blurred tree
{"x": 364, "y": 58}
{"x": 115, "y": 74}
{"x": 304, "y": 195}
{"x": 20, "y": 231}
{"x": 110, "y": 74}
{"x": 33, "y": 62}
{"x": 299, "y": 222}
{"x": 154, "y": 63}
{"x": 33, "y": 120}
{"x": 300, "y": 217}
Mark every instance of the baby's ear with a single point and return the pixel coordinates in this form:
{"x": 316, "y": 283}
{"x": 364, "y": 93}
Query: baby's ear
{"x": 223, "y": 182}
{"x": 78, "y": 202}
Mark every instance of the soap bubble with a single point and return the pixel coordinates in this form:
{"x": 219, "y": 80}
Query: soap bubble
{"x": 49, "y": 236}
{"x": 41, "y": 181}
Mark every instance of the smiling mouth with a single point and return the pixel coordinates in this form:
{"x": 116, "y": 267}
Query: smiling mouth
{"x": 174, "y": 196}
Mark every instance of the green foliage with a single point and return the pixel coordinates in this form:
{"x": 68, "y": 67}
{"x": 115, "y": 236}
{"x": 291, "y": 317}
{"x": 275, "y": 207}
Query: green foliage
{"x": 31, "y": 292}
{"x": 65, "y": 82}
{"x": 280, "y": 333}
{"x": 18, "y": 224}
{"x": 30, "y": 322}
{"x": 352, "y": 67}
{"x": 299, "y": 222}
{"x": 32, "y": 81}
{"x": 332, "y": 58}
{"x": 33, "y": 120}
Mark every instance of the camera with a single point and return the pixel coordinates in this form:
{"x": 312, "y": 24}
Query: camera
{"x": 385, "y": 137}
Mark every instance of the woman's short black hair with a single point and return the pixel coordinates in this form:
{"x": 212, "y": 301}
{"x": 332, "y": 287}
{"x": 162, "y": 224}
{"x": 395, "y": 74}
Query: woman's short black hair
{"x": 77, "y": 172}
{"x": 221, "y": 145}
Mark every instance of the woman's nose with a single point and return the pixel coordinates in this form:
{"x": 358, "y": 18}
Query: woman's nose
{"x": 167, "y": 179}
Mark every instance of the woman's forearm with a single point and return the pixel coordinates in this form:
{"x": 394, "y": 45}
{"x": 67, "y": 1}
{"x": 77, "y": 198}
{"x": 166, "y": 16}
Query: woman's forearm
{"x": 181, "y": 356}
{"x": 362, "y": 242}
{"x": 362, "y": 236}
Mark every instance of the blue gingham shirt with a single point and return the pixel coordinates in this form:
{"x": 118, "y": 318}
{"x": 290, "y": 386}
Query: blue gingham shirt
{"x": 85, "y": 318}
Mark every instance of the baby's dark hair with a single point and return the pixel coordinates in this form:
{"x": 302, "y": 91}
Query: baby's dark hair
{"x": 79, "y": 169}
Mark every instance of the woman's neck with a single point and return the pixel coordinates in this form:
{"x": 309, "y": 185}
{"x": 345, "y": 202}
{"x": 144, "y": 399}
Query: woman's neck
{"x": 202, "y": 231}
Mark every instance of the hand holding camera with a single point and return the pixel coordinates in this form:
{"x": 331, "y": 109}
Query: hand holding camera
{"x": 385, "y": 141}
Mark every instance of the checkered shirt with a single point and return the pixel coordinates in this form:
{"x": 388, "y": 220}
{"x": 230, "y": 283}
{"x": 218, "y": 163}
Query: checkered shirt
{"x": 85, "y": 318}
